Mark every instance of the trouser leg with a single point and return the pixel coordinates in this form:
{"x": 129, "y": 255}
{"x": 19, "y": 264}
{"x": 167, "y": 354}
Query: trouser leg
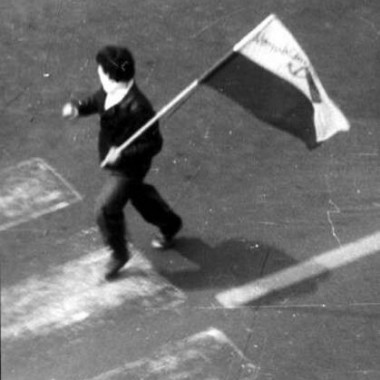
{"x": 152, "y": 207}
{"x": 110, "y": 216}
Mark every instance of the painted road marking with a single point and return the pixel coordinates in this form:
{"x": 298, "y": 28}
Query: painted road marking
{"x": 317, "y": 265}
{"x": 77, "y": 291}
{"x": 206, "y": 355}
{"x": 31, "y": 189}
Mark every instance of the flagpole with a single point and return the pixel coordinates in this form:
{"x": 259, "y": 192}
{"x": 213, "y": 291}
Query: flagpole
{"x": 184, "y": 94}
{"x": 175, "y": 102}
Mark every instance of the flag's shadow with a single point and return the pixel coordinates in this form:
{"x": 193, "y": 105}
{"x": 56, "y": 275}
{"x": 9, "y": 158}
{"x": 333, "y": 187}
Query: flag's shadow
{"x": 267, "y": 96}
{"x": 234, "y": 263}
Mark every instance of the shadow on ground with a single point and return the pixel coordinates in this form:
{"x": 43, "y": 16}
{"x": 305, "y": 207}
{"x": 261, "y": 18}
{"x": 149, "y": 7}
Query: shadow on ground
{"x": 233, "y": 263}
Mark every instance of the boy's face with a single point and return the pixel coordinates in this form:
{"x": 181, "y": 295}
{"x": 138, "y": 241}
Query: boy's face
{"x": 107, "y": 83}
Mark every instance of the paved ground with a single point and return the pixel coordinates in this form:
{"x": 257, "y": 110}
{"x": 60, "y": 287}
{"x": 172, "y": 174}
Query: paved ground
{"x": 256, "y": 203}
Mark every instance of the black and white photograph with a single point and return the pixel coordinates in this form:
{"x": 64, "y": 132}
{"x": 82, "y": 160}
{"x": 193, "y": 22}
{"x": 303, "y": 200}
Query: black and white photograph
{"x": 190, "y": 189}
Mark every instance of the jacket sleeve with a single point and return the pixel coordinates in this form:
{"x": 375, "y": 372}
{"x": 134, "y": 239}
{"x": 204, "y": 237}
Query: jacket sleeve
{"x": 89, "y": 105}
{"x": 150, "y": 142}
{"x": 145, "y": 146}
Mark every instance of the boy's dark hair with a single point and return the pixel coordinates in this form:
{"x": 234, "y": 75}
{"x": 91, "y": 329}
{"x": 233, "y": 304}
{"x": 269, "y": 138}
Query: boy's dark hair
{"x": 117, "y": 62}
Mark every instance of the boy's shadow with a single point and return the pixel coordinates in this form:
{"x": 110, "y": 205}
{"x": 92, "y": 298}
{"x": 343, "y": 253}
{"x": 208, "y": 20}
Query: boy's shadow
{"x": 233, "y": 263}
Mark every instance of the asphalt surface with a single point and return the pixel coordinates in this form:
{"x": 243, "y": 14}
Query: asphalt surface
{"x": 255, "y": 201}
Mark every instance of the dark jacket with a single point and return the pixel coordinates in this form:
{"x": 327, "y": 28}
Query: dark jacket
{"x": 120, "y": 122}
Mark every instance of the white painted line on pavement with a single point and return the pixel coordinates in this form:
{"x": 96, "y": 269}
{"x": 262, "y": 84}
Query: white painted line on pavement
{"x": 77, "y": 291}
{"x": 207, "y": 355}
{"x": 31, "y": 189}
{"x": 317, "y": 265}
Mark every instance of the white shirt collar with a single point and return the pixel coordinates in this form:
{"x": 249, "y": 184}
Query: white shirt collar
{"x": 117, "y": 94}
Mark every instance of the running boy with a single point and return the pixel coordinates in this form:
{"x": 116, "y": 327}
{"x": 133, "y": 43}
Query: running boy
{"x": 123, "y": 109}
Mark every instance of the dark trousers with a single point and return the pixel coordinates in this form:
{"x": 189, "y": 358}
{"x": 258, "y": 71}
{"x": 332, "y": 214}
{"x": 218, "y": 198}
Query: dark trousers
{"x": 114, "y": 196}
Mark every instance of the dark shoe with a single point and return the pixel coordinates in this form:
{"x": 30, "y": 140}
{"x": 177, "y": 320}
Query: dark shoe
{"x": 165, "y": 241}
{"x": 113, "y": 268}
